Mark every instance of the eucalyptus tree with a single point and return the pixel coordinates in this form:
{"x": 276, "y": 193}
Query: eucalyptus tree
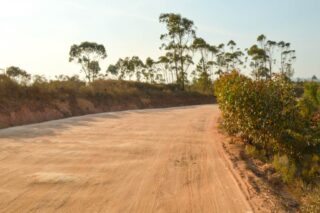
{"x": 121, "y": 68}
{"x": 177, "y": 40}
{"x": 228, "y": 57}
{"x": 136, "y": 66}
{"x": 259, "y": 58}
{"x": 165, "y": 68}
{"x": 233, "y": 58}
{"x": 88, "y": 55}
{"x": 269, "y": 48}
{"x": 19, "y": 75}
{"x": 261, "y": 39}
{"x": 112, "y": 70}
{"x": 149, "y": 72}
{"x": 263, "y": 57}
{"x": 128, "y": 68}
{"x": 220, "y": 59}
{"x": 258, "y": 63}
{"x": 169, "y": 58}
{"x": 160, "y": 70}
{"x": 213, "y": 50}
{"x": 287, "y": 58}
{"x": 201, "y": 46}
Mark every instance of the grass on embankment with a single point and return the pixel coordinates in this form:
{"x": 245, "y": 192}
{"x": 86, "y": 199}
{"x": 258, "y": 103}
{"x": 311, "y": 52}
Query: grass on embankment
{"x": 42, "y": 101}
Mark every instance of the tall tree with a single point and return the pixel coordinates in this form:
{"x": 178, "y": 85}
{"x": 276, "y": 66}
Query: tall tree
{"x": 177, "y": 40}
{"x": 220, "y": 59}
{"x": 136, "y": 66}
{"x": 201, "y": 46}
{"x": 228, "y": 57}
{"x": 270, "y": 48}
{"x": 120, "y": 68}
{"x": 112, "y": 69}
{"x": 268, "y": 57}
{"x": 259, "y": 58}
{"x": 150, "y": 71}
{"x": 18, "y": 74}
{"x": 263, "y": 57}
{"x": 258, "y": 63}
{"x": 287, "y": 58}
{"x": 127, "y": 68}
{"x": 88, "y": 55}
{"x": 165, "y": 68}
{"x": 123, "y": 68}
{"x": 207, "y": 53}
{"x": 233, "y": 57}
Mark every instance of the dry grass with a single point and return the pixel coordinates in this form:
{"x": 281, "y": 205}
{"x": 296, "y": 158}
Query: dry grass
{"x": 41, "y": 101}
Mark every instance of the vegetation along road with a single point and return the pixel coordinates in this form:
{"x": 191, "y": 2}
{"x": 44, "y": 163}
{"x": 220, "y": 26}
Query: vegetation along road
{"x": 159, "y": 160}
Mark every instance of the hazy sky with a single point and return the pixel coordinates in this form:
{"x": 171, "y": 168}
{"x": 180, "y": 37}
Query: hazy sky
{"x": 36, "y": 34}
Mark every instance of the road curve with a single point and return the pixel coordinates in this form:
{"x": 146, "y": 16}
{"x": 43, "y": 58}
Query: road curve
{"x": 159, "y": 160}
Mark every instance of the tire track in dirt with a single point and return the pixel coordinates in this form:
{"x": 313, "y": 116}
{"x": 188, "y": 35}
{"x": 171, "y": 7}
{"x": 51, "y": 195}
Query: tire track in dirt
{"x": 160, "y": 160}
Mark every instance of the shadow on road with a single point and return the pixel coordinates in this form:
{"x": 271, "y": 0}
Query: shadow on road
{"x": 55, "y": 127}
{"x": 51, "y": 128}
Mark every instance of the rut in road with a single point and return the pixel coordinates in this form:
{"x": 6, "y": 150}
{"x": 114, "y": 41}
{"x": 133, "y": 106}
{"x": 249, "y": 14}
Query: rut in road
{"x": 160, "y": 160}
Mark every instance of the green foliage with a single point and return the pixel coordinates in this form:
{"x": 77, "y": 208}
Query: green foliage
{"x": 311, "y": 167}
{"x": 262, "y": 58}
{"x": 267, "y": 114}
{"x": 308, "y": 106}
{"x": 285, "y": 167}
{"x": 19, "y": 75}
{"x": 254, "y": 152}
{"x": 310, "y": 102}
{"x": 177, "y": 41}
{"x": 128, "y": 67}
{"x": 8, "y": 87}
{"x": 261, "y": 111}
{"x": 112, "y": 69}
{"x": 88, "y": 55}
{"x": 203, "y": 84}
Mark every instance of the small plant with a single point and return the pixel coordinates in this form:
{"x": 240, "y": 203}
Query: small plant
{"x": 256, "y": 153}
{"x": 311, "y": 168}
{"x": 286, "y": 167}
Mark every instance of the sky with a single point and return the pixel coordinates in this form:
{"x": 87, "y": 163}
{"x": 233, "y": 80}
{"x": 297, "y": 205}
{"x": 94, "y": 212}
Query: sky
{"x": 36, "y": 35}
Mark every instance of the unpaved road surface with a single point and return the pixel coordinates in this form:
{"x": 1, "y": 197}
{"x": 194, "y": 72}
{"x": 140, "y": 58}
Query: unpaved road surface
{"x": 161, "y": 160}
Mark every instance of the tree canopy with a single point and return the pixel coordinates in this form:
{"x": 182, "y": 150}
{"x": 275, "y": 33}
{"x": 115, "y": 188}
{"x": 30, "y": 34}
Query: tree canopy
{"x": 188, "y": 59}
{"x": 88, "y": 55}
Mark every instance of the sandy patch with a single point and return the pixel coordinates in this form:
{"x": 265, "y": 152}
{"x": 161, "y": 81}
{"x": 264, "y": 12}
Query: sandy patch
{"x": 52, "y": 178}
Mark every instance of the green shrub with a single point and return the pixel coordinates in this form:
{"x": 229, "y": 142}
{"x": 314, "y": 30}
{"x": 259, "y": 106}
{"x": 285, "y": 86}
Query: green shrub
{"x": 310, "y": 102}
{"x": 254, "y": 152}
{"x": 203, "y": 84}
{"x": 273, "y": 122}
{"x": 311, "y": 167}
{"x": 285, "y": 167}
{"x": 261, "y": 111}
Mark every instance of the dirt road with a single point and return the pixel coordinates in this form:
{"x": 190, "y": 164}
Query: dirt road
{"x": 161, "y": 160}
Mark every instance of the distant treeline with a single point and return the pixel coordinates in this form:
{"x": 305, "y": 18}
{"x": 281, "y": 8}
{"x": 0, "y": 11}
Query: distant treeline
{"x": 187, "y": 60}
